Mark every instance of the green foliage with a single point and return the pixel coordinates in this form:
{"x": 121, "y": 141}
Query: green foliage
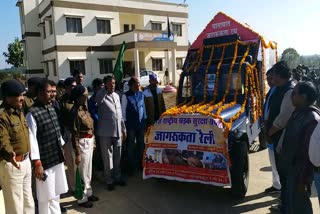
{"x": 310, "y": 61}
{"x": 14, "y": 56}
{"x": 11, "y": 74}
{"x": 291, "y": 56}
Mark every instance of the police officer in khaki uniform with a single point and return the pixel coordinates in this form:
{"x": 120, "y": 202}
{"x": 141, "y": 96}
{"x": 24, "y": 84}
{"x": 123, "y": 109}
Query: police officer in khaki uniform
{"x": 31, "y": 94}
{"x": 15, "y": 165}
{"x": 83, "y": 142}
{"x": 66, "y": 105}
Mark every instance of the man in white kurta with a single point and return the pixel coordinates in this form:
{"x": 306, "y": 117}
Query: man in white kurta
{"x": 55, "y": 184}
{"x": 46, "y": 152}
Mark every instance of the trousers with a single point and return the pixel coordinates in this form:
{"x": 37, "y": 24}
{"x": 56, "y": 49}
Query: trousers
{"x": 135, "y": 148}
{"x": 111, "y": 155}
{"x": 51, "y": 207}
{"x": 317, "y": 183}
{"x": 275, "y": 176}
{"x": 16, "y": 187}
{"x": 69, "y": 160}
{"x": 85, "y": 166}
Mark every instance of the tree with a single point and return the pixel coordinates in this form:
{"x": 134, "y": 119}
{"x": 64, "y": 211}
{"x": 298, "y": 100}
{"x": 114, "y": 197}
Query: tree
{"x": 291, "y": 56}
{"x": 15, "y": 53}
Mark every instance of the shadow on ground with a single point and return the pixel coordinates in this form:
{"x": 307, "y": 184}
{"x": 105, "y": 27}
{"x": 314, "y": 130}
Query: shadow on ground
{"x": 154, "y": 196}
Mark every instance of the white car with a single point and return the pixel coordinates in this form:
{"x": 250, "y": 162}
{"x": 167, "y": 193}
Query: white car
{"x": 144, "y": 80}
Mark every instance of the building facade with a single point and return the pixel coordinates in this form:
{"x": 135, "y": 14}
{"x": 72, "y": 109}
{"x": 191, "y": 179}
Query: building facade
{"x": 60, "y": 36}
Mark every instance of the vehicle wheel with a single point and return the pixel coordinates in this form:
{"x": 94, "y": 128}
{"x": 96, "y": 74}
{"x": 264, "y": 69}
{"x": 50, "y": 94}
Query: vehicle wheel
{"x": 262, "y": 141}
{"x": 239, "y": 169}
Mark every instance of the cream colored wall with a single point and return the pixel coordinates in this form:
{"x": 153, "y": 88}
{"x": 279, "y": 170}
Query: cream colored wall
{"x": 22, "y": 18}
{"x": 89, "y": 35}
{"x": 42, "y": 4}
{"x": 31, "y": 18}
{"x": 49, "y": 41}
{"x": 181, "y": 41}
{"x": 138, "y": 4}
{"x": 128, "y": 37}
{"x": 136, "y": 19}
{"x": 91, "y": 64}
{"x": 32, "y": 45}
{"x": 33, "y": 52}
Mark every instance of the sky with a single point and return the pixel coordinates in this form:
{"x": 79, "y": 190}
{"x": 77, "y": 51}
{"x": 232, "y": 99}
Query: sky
{"x": 291, "y": 23}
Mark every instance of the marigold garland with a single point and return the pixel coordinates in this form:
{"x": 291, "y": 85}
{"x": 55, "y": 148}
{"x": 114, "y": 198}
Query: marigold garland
{"x": 250, "y": 76}
{"x": 263, "y": 72}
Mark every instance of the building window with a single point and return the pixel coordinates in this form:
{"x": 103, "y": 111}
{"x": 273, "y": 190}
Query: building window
{"x": 126, "y": 28}
{"x": 157, "y": 64}
{"x": 44, "y": 32}
{"x": 133, "y": 27}
{"x": 77, "y": 64}
{"x": 74, "y": 25}
{"x": 54, "y": 67}
{"x": 105, "y": 66}
{"x": 179, "y": 63}
{"x": 103, "y": 26}
{"x": 50, "y": 27}
{"x": 156, "y": 26}
{"x": 177, "y": 29}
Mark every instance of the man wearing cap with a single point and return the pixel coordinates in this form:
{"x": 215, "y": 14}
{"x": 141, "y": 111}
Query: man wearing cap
{"x": 46, "y": 150}
{"x": 83, "y": 142}
{"x": 154, "y": 101}
{"x": 66, "y": 105}
{"x": 15, "y": 165}
{"x": 31, "y": 95}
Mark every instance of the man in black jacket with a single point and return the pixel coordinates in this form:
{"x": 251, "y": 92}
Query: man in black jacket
{"x": 294, "y": 160}
{"x": 280, "y": 110}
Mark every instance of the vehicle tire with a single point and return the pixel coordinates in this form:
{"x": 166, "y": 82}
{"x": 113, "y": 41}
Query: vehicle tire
{"x": 239, "y": 169}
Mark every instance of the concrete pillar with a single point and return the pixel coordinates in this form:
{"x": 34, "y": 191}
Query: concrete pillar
{"x": 136, "y": 63}
{"x": 173, "y": 64}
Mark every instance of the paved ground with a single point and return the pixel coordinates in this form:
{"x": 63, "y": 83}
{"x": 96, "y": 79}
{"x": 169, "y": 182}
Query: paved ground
{"x": 154, "y": 197}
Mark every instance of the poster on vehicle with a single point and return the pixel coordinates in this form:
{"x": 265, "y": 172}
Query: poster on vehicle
{"x": 190, "y": 148}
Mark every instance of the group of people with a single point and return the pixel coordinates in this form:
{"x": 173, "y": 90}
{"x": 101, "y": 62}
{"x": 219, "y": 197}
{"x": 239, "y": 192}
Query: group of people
{"x": 53, "y": 129}
{"x": 291, "y": 129}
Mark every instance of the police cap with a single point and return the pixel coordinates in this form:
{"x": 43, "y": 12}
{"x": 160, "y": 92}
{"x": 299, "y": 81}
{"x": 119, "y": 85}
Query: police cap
{"x": 12, "y": 88}
{"x": 77, "y": 92}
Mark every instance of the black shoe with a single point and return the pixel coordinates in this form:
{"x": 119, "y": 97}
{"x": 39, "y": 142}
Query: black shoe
{"x": 63, "y": 209}
{"x": 272, "y": 190}
{"x": 120, "y": 183}
{"x": 93, "y": 198}
{"x": 110, "y": 187}
{"x": 275, "y": 208}
{"x": 87, "y": 204}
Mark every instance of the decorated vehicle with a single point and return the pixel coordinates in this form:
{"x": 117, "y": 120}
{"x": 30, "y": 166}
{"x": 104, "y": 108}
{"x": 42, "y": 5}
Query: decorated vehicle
{"x": 205, "y": 138}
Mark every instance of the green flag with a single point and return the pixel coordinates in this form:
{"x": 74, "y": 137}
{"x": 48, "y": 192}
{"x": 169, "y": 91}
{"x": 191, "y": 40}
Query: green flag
{"x": 118, "y": 68}
{"x": 78, "y": 193}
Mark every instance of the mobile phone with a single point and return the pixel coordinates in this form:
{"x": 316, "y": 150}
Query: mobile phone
{"x": 44, "y": 177}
